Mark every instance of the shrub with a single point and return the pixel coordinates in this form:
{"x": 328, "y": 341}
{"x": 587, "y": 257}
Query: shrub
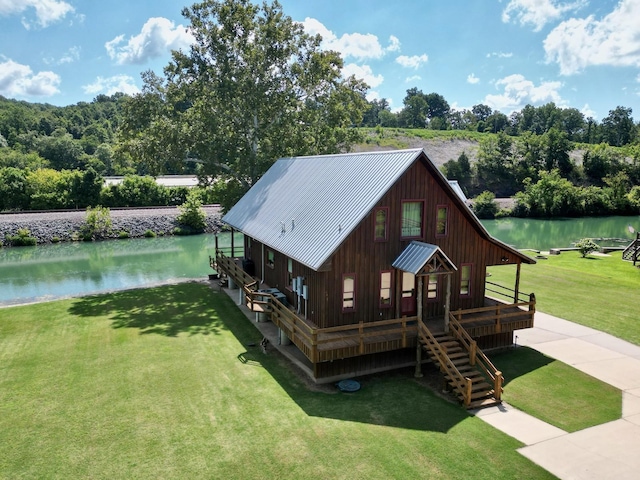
{"x": 192, "y": 215}
{"x": 181, "y": 231}
{"x": 22, "y": 238}
{"x": 586, "y": 246}
{"x": 485, "y": 206}
{"x": 55, "y": 239}
{"x": 150, "y": 234}
{"x": 97, "y": 224}
{"x": 123, "y": 234}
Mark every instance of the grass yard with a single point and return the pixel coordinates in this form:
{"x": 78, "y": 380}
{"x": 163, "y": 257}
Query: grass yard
{"x": 161, "y": 383}
{"x": 555, "y": 392}
{"x": 597, "y": 291}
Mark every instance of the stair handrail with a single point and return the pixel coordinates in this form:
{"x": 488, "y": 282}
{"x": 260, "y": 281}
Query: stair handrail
{"x": 477, "y": 356}
{"x": 462, "y": 384}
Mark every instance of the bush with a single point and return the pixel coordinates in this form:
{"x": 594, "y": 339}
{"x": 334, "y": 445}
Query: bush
{"x": 22, "y": 238}
{"x": 485, "y": 206}
{"x": 123, "y": 234}
{"x": 192, "y": 215}
{"x": 586, "y": 246}
{"x": 97, "y": 224}
{"x": 55, "y": 239}
{"x": 150, "y": 234}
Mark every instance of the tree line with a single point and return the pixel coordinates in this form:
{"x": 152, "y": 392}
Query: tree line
{"x": 432, "y": 111}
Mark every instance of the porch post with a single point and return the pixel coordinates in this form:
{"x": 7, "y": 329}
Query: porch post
{"x": 517, "y": 288}
{"x": 232, "y": 244}
{"x": 420, "y": 277}
{"x": 447, "y": 304}
{"x": 418, "y": 373}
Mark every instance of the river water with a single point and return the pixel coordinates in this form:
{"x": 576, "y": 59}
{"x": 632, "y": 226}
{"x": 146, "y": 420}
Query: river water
{"x": 45, "y": 272}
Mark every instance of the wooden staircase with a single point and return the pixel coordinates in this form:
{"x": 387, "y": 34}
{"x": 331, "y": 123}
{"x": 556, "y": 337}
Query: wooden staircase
{"x": 632, "y": 252}
{"x": 465, "y": 368}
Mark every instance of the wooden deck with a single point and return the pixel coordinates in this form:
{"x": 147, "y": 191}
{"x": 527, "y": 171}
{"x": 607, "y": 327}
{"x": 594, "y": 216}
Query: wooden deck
{"x": 337, "y": 343}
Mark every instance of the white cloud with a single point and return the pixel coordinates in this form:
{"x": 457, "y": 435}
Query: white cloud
{"x": 72, "y": 55}
{"x": 582, "y": 42}
{"x": 363, "y": 72}
{"x": 415, "y": 61}
{"x": 111, "y": 85}
{"x": 17, "y": 80}
{"x": 587, "y": 112}
{"x": 355, "y": 45}
{"x": 518, "y": 92}
{"x": 46, "y": 11}
{"x": 472, "y": 79}
{"x": 413, "y": 79}
{"x": 158, "y": 36}
{"x": 500, "y": 54}
{"x": 538, "y": 12}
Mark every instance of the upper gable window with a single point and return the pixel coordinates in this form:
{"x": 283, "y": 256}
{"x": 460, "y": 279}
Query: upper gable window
{"x": 442, "y": 223}
{"x": 381, "y": 215}
{"x": 412, "y": 219}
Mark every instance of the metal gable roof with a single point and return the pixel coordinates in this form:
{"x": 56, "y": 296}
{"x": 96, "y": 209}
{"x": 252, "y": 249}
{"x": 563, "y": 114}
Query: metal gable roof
{"x": 417, "y": 255}
{"x": 305, "y": 207}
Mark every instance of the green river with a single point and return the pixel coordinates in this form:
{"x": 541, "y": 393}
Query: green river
{"x": 30, "y": 274}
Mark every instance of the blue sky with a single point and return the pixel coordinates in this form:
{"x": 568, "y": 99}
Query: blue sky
{"x": 504, "y": 53}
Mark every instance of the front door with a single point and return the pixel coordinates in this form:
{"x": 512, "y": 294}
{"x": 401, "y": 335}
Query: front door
{"x": 408, "y": 301}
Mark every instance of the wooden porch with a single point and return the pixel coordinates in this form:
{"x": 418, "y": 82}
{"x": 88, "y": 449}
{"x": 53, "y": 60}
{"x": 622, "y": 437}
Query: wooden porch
{"x": 348, "y": 341}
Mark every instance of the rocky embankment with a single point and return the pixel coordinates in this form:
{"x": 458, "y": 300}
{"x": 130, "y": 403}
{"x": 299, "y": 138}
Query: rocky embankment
{"x": 63, "y": 226}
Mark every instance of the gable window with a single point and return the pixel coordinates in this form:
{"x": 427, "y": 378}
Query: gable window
{"x": 412, "y": 219}
{"x": 380, "y": 234}
{"x": 441, "y": 224}
{"x": 348, "y": 292}
{"x": 271, "y": 257}
{"x": 289, "y": 274}
{"x": 385, "y": 289}
{"x": 432, "y": 287}
{"x": 465, "y": 280}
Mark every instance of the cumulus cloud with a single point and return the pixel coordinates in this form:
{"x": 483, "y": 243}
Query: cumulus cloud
{"x": 538, "y": 12}
{"x": 413, "y": 79}
{"x": 582, "y": 42}
{"x": 111, "y": 85}
{"x": 415, "y": 61}
{"x": 472, "y": 79}
{"x": 518, "y": 92}
{"x": 359, "y": 46}
{"x": 17, "y": 80}
{"x": 46, "y": 11}
{"x": 587, "y": 112}
{"x": 158, "y": 36}
{"x": 363, "y": 72}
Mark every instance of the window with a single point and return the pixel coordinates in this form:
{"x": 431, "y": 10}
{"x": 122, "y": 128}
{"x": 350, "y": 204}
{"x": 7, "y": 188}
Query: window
{"x": 412, "y": 219}
{"x": 465, "y": 280}
{"x": 348, "y": 292}
{"x": 385, "y": 289}
{"x": 290, "y": 274}
{"x": 270, "y": 258}
{"x": 432, "y": 287}
{"x": 441, "y": 225}
{"x": 380, "y": 234}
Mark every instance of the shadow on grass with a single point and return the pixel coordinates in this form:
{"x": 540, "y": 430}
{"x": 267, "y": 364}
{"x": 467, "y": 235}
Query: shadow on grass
{"x": 395, "y": 400}
{"x": 167, "y": 310}
{"x": 519, "y": 361}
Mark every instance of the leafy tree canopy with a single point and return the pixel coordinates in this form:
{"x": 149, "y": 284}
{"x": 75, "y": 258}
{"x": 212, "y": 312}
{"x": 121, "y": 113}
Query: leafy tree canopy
{"x": 253, "y": 87}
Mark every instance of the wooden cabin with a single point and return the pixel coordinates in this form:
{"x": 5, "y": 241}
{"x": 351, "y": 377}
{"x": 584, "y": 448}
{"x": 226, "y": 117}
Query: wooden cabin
{"x": 371, "y": 255}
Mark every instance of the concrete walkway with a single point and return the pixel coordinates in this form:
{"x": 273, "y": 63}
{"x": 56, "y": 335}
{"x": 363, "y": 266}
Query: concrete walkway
{"x": 611, "y": 450}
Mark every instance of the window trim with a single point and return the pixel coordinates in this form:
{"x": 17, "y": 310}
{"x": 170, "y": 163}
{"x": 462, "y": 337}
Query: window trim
{"x": 353, "y": 293}
{"x": 436, "y": 289}
{"x": 469, "y": 280}
{"x": 386, "y": 224}
{"x": 422, "y": 203}
{"x": 390, "y": 304}
{"x": 290, "y": 276}
{"x": 446, "y": 220}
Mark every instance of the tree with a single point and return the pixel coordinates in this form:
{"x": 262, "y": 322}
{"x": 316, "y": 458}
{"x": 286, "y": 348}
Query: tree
{"x": 618, "y": 128}
{"x": 459, "y": 170}
{"x": 586, "y": 246}
{"x": 485, "y": 206}
{"x": 252, "y": 88}
{"x": 414, "y": 113}
{"x": 551, "y": 196}
{"x": 191, "y": 213}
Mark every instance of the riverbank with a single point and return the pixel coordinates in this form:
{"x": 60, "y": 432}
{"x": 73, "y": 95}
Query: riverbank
{"x": 62, "y": 226}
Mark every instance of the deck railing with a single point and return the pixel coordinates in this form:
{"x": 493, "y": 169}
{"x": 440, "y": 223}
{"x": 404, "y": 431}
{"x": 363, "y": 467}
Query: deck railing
{"x": 477, "y": 357}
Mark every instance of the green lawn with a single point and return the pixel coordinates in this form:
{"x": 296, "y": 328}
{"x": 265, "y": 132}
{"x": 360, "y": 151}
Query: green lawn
{"x": 555, "y": 392}
{"x": 599, "y": 292}
{"x": 162, "y": 383}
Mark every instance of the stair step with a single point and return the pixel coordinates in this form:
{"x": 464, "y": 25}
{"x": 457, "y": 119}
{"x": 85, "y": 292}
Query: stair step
{"x": 484, "y": 403}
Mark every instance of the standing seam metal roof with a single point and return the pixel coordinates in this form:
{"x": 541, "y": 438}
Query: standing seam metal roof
{"x": 414, "y": 257}
{"x": 305, "y": 207}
